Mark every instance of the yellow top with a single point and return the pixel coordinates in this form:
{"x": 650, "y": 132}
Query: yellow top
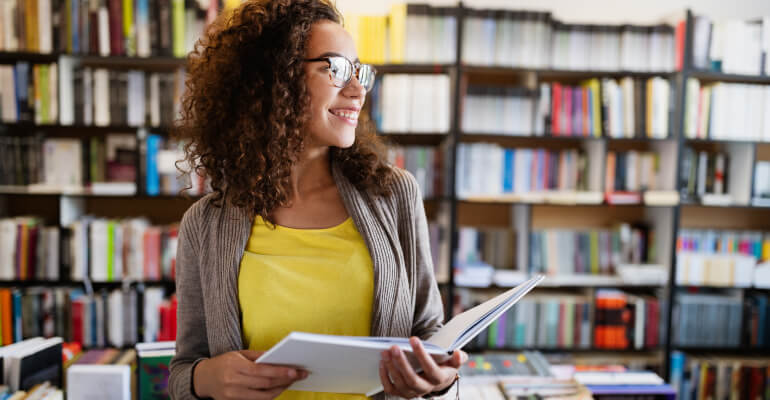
{"x": 307, "y": 280}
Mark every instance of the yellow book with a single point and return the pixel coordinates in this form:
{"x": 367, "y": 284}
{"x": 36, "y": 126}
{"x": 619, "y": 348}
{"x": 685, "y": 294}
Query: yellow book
{"x": 705, "y": 110}
{"x": 596, "y": 106}
{"x": 766, "y": 249}
{"x": 397, "y": 33}
{"x": 31, "y": 26}
{"x": 128, "y": 27}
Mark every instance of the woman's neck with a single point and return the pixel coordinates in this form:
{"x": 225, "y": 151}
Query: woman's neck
{"x": 311, "y": 173}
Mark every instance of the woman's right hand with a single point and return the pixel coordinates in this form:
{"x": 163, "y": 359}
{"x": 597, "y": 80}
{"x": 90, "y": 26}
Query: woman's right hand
{"x": 235, "y": 375}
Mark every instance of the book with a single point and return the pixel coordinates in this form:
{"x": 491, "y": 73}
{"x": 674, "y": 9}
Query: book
{"x": 360, "y": 373}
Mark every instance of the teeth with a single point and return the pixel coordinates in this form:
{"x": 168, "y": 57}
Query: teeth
{"x": 346, "y": 114}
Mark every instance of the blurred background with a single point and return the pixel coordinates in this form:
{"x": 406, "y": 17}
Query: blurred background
{"x": 621, "y": 148}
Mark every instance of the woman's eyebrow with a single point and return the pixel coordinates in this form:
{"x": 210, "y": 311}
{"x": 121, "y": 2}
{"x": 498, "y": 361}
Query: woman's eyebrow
{"x": 335, "y": 54}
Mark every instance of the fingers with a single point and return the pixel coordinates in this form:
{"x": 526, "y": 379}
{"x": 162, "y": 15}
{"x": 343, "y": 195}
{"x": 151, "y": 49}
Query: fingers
{"x": 459, "y": 358}
{"x": 404, "y": 378}
{"x": 263, "y": 383}
{"x": 251, "y": 355}
{"x": 430, "y": 370}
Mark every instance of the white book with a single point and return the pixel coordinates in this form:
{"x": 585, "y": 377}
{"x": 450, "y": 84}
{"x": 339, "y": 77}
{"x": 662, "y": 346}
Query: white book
{"x": 89, "y": 96}
{"x": 107, "y": 382}
{"x": 10, "y": 40}
{"x": 7, "y": 94}
{"x": 66, "y": 91}
{"x": 101, "y": 97}
{"x": 15, "y": 348}
{"x": 98, "y": 250}
{"x": 8, "y": 233}
{"x": 142, "y": 28}
{"x": 52, "y": 253}
{"x": 115, "y": 324}
{"x": 103, "y": 17}
{"x": 44, "y": 31}
{"x": 359, "y": 372}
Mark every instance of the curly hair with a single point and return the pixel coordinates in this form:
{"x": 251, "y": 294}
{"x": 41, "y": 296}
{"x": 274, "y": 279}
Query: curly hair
{"x": 246, "y": 105}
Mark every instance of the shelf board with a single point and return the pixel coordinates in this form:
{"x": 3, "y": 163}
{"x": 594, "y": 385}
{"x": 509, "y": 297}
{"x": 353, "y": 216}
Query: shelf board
{"x": 551, "y": 74}
{"x": 423, "y": 139}
{"x": 725, "y": 351}
{"x": 7, "y": 57}
{"x": 549, "y": 138}
{"x": 124, "y": 62}
{"x": 715, "y": 76}
{"x": 413, "y": 68}
{"x": 693, "y": 204}
{"x": 67, "y": 283}
{"x": 59, "y": 130}
{"x": 583, "y": 351}
{"x": 725, "y": 141}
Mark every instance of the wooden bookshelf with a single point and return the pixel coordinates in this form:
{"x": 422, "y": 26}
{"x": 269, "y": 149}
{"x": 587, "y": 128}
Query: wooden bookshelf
{"x": 668, "y": 220}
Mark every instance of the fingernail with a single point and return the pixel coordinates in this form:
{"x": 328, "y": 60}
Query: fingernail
{"x": 292, "y": 373}
{"x": 305, "y": 374}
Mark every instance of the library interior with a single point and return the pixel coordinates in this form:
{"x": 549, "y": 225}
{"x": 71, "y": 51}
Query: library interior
{"x": 619, "y": 149}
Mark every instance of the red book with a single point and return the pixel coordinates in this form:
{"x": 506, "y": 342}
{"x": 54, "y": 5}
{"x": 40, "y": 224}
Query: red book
{"x": 679, "y": 34}
{"x": 556, "y": 108}
{"x": 77, "y": 321}
{"x": 115, "y": 11}
{"x": 566, "y": 123}
{"x": 152, "y": 254}
{"x": 7, "y": 315}
{"x": 31, "y": 270}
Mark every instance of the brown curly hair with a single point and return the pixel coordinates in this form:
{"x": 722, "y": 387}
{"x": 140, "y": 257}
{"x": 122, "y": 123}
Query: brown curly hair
{"x": 246, "y": 102}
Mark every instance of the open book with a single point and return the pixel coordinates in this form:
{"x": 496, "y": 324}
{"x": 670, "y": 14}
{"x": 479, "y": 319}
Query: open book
{"x": 350, "y": 364}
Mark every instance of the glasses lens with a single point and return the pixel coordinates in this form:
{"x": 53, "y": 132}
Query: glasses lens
{"x": 366, "y": 76}
{"x": 341, "y": 71}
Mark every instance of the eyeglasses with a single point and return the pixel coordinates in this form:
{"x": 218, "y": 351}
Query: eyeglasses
{"x": 341, "y": 71}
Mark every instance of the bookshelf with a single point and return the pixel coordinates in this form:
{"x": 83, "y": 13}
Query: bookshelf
{"x": 522, "y": 214}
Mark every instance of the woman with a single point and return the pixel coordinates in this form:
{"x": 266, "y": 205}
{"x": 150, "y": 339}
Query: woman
{"x": 307, "y": 228}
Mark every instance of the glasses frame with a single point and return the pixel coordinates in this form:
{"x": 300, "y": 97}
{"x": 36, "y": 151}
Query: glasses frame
{"x": 355, "y": 67}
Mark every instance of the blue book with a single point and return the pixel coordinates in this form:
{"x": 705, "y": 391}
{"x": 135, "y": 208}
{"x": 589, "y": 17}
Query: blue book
{"x": 762, "y": 306}
{"x": 152, "y": 180}
{"x": 508, "y": 171}
{"x": 16, "y": 300}
{"x": 21, "y": 78}
{"x": 75, "y": 25}
{"x": 677, "y": 372}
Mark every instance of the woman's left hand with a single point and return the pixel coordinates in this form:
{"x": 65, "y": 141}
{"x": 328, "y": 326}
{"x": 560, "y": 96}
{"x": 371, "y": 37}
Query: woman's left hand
{"x": 399, "y": 379}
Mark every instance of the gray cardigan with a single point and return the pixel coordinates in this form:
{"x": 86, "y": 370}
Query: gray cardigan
{"x": 211, "y": 243}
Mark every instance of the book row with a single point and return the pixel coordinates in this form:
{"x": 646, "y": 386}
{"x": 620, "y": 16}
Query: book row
{"x": 731, "y": 46}
{"x": 404, "y": 103}
{"x": 723, "y": 258}
{"x": 140, "y": 28}
{"x": 624, "y": 108}
{"x": 486, "y": 169}
{"x": 495, "y": 247}
{"x": 727, "y": 111}
{"x": 594, "y": 251}
{"x": 88, "y": 96}
{"x": 115, "y": 164}
{"x": 632, "y": 171}
{"x": 117, "y": 318}
{"x": 101, "y": 250}
{"x": 707, "y": 377}
{"x": 33, "y": 365}
{"x": 426, "y": 163}
{"x": 612, "y": 320}
{"x": 707, "y": 320}
{"x": 703, "y": 173}
{"x": 410, "y": 33}
{"x": 536, "y": 40}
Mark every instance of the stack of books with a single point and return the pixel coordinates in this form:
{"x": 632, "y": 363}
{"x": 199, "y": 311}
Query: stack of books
{"x": 731, "y": 46}
{"x": 727, "y": 111}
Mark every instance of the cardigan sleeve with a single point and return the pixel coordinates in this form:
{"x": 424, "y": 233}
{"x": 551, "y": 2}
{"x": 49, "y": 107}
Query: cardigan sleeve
{"x": 428, "y": 310}
{"x": 191, "y": 341}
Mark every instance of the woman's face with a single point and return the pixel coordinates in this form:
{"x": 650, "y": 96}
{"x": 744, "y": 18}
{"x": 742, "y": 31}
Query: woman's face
{"x": 334, "y": 111}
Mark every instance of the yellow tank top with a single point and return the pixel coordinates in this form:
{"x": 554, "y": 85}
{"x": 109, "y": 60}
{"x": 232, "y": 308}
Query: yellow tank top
{"x": 307, "y": 280}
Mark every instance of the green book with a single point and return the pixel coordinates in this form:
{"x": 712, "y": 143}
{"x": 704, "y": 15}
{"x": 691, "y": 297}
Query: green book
{"x": 110, "y": 251}
{"x": 492, "y": 335}
{"x": 594, "y": 245}
{"x": 177, "y": 18}
{"x": 153, "y": 376}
